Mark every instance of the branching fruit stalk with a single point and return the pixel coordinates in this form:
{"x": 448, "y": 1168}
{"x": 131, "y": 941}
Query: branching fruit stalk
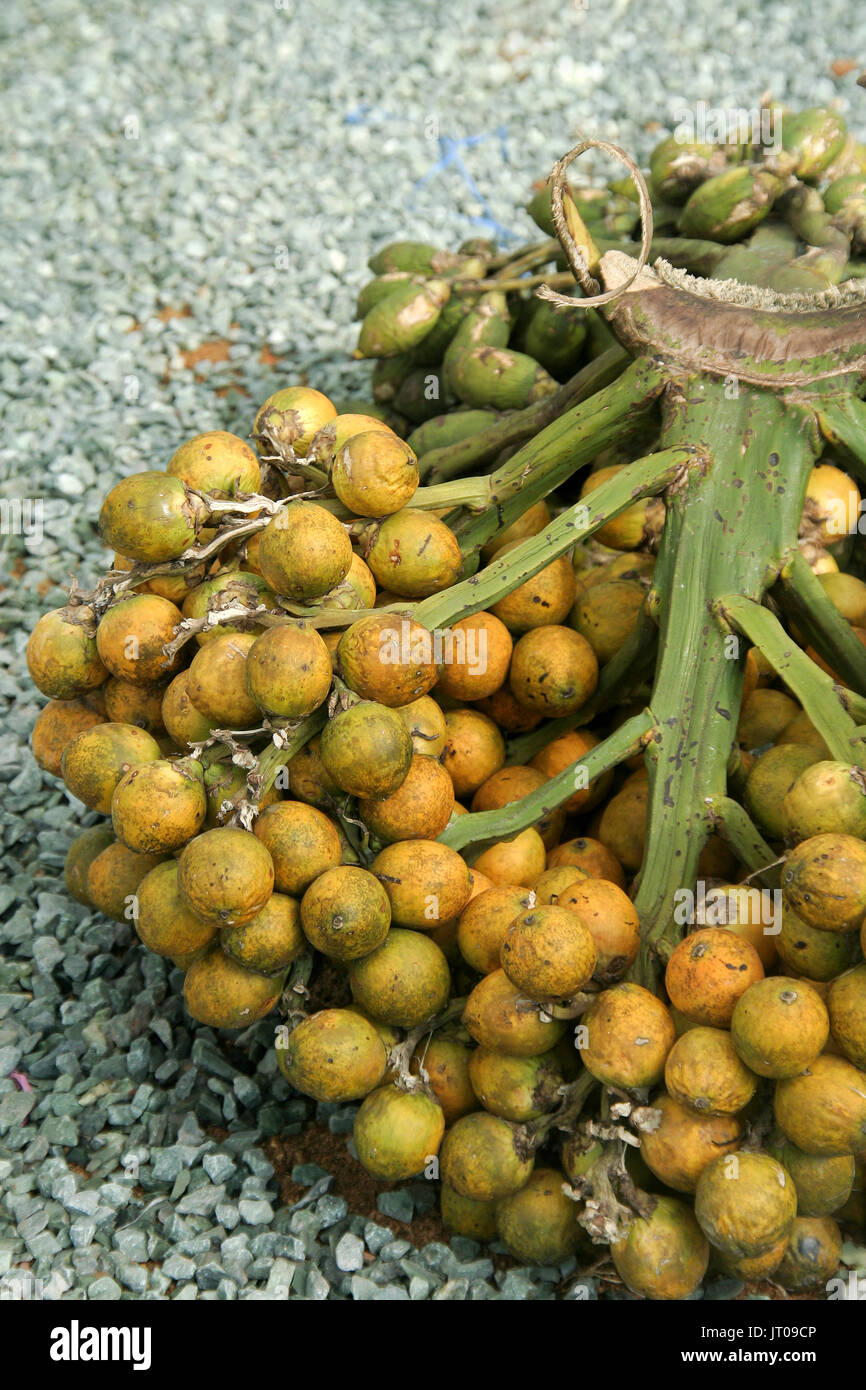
{"x": 729, "y": 531}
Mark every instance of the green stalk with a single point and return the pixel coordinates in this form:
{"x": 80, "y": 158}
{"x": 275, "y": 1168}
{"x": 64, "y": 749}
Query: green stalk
{"x": 517, "y": 426}
{"x": 812, "y": 687}
{"x": 728, "y": 529}
{"x": 854, "y": 704}
{"x": 272, "y": 759}
{"x": 486, "y": 827}
{"x": 823, "y": 624}
{"x": 842, "y": 419}
{"x": 646, "y": 477}
{"x": 736, "y": 829}
{"x": 564, "y": 446}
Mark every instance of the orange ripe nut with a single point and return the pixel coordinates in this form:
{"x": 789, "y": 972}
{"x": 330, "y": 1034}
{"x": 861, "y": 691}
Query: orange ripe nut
{"x": 95, "y": 760}
{"x": 484, "y": 922}
{"x": 745, "y": 1207}
{"x": 288, "y": 671}
{"x": 529, "y": 523}
{"x": 132, "y": 634}
{"x": 474, "y": 749}
{"x": 219, "y": 992}
{"x": 495, "y": 1021}
{"x": 290, "y": 419}
{"x": 705, "y": 1072}
{"x": 413, "y": 554}
{"x": 217, "y": 686}
{"x": 518, "y": 860}
{"x": 158, "y": 806}
{"x": 823, "y": 1110}
{"x": 824, "y": 882}
{"x": 113, "y": 879}
{"x": 374, "y": 473}
{"x": 476, "y": 656}
{"x": 539, "y": 601}
{"x": 678, "y": 1150}
{"x": 388, "y": 658}
{"x": 589, "y": 855}
{"x": 404, "y": 981}
{"x": 301, "y": 841}
{"x": 308, "y": 780}
{"x": 709, "y": 972}
{"x": 304, "y": 551}
{"x": 663, "y": 1255}
{"x": 553, "y": 670}
{"x": 632, "y": 528}
{"x": 464, "y": 1217}
{"x": 232, "y": 588}
{"x": 218, "y": 463}
{"x": 749, "y": 912}
{"x": 56, "y": 726}
{"x": 367, "y": 750}
{"x": 627, "y": 1035}
{"x": 779, "y": 1026}
{"x": 183, "y": 722}
{"x": 548, "y": 953}
{"x": 427, "y": 883}
{"x": 62, "y": 655}
{"x": 447, "y": 1062}
{"x": 79, "y": 857}
{"x": 515, "y": 1088}
{"x": 419, "y": 810}
{"x": 812, "y": 1255}
{"x": 504, "y": 710}
{"x": 129, "y": 702}
{"x": 622, "y": 825}
{"x": 482, "y": 1157}
{"x": 512, "y": 784}
{"x": 426, "y": 724}
{"x": 164, "y": 923}
{"x": 607, "y": 614}
{"x": 397, "y": 1133}
{"x": 334, "y": 1055}
{"x": 554, "y": 883}
{"x": 832, "y": 504}
{"x": 225, "y": 875}
{"x": 609, "y": 915}
{"x": 345, "y": 913}
{"x": 271, "y": 940}
{"x": 539, "y": 1223}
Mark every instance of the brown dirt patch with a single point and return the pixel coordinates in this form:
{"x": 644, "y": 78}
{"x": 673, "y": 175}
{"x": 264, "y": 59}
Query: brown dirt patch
{"x": 330, "y": 1151}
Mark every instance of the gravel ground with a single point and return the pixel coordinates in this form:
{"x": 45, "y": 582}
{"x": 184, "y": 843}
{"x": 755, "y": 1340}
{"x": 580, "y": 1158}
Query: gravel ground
{"x": 203, "y": 173}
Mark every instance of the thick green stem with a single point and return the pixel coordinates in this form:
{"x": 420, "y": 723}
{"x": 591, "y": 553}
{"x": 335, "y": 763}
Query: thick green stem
{"x": 482, "y": 827}
{"x": 831, "y": 634}
{"x": 813, "y": 687}
{"x": 646, "y": 477}
{"x": 730, "y": 529}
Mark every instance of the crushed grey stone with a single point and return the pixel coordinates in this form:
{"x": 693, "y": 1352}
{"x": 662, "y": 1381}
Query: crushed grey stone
{"x": 93, "y": 387}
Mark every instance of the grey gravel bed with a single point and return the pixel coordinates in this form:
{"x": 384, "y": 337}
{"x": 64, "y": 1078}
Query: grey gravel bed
{"x": 239, "y": 163}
